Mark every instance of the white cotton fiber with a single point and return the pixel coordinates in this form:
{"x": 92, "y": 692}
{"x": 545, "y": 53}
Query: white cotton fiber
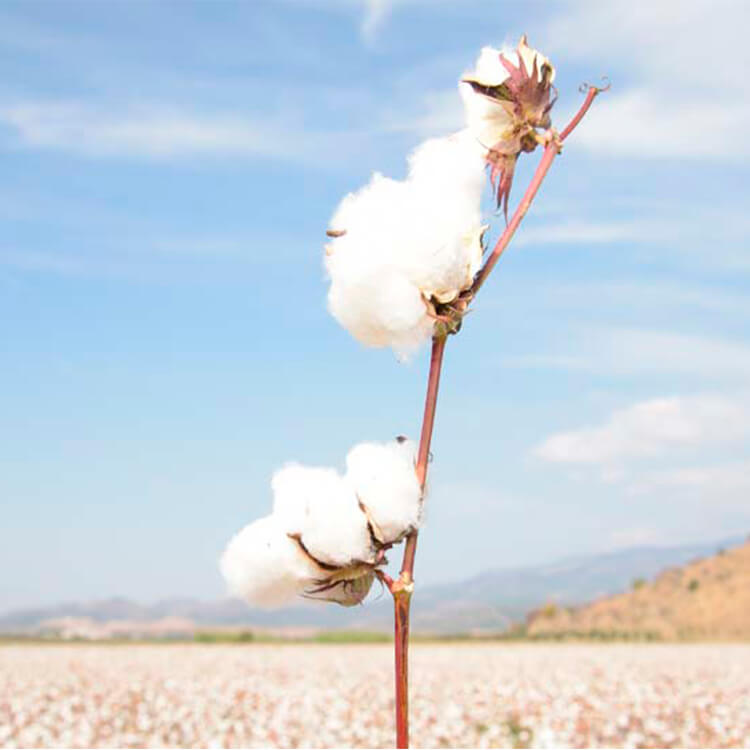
{"x": 382, "y": 474}
{"x": 488, "y": 120}
{"x": 321, "y": 507}
{"x": 262, "y": 565}
{"x": 401, "y": 243}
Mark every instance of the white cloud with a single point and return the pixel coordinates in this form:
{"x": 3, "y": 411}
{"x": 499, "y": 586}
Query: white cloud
{"x": 638, "y": 123}
{"x": 722, "y": 478}
{"x": 434, "y": 113}
{"x": 634, "y": 537}
{"x": 639, "y": 352}
{"x": 155, "y": 133}
{"x": 649, "y": 429}
{"x": 587, "y": 233}
{"x": 688, "y": 63}
{"x": 376, "y": 12}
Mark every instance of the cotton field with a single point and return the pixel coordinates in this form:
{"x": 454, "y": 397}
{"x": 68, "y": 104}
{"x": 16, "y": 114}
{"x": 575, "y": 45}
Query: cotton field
{"x": 301, "y": 695}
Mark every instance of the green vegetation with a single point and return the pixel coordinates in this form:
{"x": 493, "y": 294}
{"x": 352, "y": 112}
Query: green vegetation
{"x": 548, "y": 610}
{"x": 219, "y": 636}
{"x": 352, "y": 636}
{"x": 694, "y": 584}
{"x": 638, "y": 583}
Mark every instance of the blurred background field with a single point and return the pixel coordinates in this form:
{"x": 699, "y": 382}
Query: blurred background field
{"x": 483, "y": 695}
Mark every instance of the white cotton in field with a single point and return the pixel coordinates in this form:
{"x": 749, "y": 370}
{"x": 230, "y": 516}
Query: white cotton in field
{"x": 401, "y": 243}
{"x": 262, "y": 565}
{"x": 383, "y": 476}
{"x": 318, "y": 505}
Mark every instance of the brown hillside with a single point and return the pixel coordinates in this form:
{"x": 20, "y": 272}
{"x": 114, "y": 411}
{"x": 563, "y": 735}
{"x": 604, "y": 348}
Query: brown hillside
{"x": 705, "y": 599}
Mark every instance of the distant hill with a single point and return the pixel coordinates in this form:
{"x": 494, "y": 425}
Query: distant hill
{"x": 497, "y": 597}
{"x": 705, "y": 599}
{"x": 490, "y": 601}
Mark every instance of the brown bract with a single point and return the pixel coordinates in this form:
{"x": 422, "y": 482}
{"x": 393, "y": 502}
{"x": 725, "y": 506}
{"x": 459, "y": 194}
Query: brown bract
{"x": 524, "y": 99}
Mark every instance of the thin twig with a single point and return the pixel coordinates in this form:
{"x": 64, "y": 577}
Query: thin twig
{"x": 550, "y": 152}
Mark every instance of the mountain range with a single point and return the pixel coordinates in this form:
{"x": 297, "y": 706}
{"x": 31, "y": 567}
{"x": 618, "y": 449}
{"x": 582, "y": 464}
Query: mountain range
{"x": 705, "y": 599}
{"x": 490, "y": 601}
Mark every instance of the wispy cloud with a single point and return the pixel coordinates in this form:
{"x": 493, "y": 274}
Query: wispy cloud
{"x": 651, "y": 428}
{"x": 432, "y": 113}
{"x": 156, "y": 133}
{"x": 589, "y": 233}
{"x": 634, "y": 537}
{"x": 376, "y": 12}
{"x": 642, "y": 352}
{"x": 638, "y": 124}
{"x": 685, "y": 62}
{"x": 726, "y": 480}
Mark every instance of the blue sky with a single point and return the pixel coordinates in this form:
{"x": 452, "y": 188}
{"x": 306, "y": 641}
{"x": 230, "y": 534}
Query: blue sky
{"x": 168, "y": 171}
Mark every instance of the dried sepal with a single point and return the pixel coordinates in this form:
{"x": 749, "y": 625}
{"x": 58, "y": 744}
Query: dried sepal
{"x": 348, "y": 592}
{"x": 514, "y": 101}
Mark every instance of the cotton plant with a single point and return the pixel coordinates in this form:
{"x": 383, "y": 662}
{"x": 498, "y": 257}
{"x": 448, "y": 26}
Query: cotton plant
{"x": 405, "y": 260}
{"x": 327, "y": 533}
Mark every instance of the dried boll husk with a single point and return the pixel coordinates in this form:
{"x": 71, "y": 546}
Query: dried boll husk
{"x": 507, "y": 98}
{"x": 348, "y": 589}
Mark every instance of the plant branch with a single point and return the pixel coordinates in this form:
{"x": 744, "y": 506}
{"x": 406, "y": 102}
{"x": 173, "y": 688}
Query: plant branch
{"x": 425, "y": 440}
{"x": 552, "y": 149}
{"x": 403, "y": 586}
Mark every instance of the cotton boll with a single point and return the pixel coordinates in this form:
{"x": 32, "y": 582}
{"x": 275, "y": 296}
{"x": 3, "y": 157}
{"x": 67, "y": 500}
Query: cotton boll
{"x": 385, "y": 482}
{"x": 262, "y": 565}
{"x": 500, "y": 103}
{"x": 370, "y": 295}
{"x": 379, "y": 308}
{"x": 488, "y": 69}
{"x": 400, "y": 244}
{"x": 447, "y": 173}
{"x": 319, "y": 506}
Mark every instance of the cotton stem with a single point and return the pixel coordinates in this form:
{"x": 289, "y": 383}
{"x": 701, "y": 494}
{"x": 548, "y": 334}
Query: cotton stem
{"x": 553, "y": 148}
{"x": 403, "y": 587}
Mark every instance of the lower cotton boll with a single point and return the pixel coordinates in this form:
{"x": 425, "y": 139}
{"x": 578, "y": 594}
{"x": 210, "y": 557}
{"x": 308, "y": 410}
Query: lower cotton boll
{"x": 383, "y": 477}
{"x": 320, "y": 507}
{"x": 262, "y": 565}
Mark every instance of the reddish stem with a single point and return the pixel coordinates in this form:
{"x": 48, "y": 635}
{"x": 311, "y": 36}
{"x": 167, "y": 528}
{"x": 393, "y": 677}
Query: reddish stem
{"x": 591, "y": 94}
{"x": 550, "y": 152}
{"x": 401, "y": 604}
{"x": 403, "y": 587}
{"x": 425, "y": 439}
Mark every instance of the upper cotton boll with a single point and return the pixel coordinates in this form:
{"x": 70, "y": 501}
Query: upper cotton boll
{"x": 385, "y": 482}
{"x": 262, "y": 565}
{"x": 448, "y": 177}
{"x": 319, "y": 506}
{"x": 401, "y": 244}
